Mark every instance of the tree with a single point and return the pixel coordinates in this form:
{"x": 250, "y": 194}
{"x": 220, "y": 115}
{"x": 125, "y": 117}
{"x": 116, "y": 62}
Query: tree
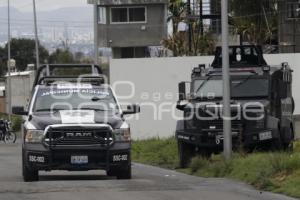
{"x": 3, "y": 65}
{"x": 62, "y": 56}
{"x": 256, "y": 20}
{"x": 23, "y": 51}
{"x": 201, "y": 45}
{"x": 178, "y": 41}
{"x": 176, "y": 10}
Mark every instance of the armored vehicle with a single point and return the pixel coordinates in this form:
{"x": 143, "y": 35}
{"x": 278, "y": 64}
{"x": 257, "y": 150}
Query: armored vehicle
{"x": 262, "y": 105}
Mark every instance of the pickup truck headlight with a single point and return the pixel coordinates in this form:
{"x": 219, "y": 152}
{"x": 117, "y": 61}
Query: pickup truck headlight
{"x": 122, "y": 135}
{"x": 34, "y": 136}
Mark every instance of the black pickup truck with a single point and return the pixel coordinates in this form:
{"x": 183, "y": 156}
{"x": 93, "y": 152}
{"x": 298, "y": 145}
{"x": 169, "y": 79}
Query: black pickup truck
{"x": 75, "y": 123}
{"x": 262, "y": 105}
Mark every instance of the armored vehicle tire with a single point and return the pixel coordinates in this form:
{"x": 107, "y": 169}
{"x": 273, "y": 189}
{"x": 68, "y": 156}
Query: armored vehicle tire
{"x": 29, "y": 175}
{"x": 120, "y": 173}
{"x": 205, "y": 153}
{"x": 186, "y": 152}
{"x": 289, "y": 146}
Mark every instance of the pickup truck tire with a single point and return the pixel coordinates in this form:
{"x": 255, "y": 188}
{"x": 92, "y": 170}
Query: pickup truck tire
{"x": 186, "y": 152}
{"x": 121, "y": 173}
{"x": 29, "y": 175}
{"x": 124, "y": 174}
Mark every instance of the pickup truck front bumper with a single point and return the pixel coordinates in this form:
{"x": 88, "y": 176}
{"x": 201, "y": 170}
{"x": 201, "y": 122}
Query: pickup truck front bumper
{"x": 41, "y": 157}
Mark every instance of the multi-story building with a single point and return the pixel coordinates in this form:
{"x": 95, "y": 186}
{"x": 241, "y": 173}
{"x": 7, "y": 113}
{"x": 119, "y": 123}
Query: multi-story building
{"x": 129, "y": 27}
{"x": 289, "y": 26}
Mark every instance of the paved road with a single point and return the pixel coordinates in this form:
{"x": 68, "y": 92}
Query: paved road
{"x": 147, "y": 183}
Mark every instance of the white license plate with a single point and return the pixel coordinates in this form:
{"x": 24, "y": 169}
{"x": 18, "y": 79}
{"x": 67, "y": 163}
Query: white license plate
{"x": 79, "y": 160}
{"x": 265, "y": 136}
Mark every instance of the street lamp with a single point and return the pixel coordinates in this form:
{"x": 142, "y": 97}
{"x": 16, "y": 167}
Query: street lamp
{"x": 96, "y": 49}
{"x": 36, "y": 38}
{"x": 8, "y": 62}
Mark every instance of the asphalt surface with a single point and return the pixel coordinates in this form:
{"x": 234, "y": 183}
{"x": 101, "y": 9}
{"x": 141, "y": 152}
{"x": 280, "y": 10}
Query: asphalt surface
{"x": 147, "y": 183}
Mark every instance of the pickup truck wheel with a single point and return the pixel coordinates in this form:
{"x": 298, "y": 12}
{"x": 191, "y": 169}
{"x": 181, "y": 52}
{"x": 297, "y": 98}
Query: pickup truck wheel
{"x": 29, "y": 175}
{"x": 120, "y": 173}
{"x": 124, "y": 174}
{"x": 186, "y": 152}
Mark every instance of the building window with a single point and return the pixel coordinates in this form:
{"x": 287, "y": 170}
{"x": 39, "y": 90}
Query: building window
{"x": 101, "y": 15}
{"x": 293, "y": 10}
{"x": 134, "y": 52}
{"x": 128, "y": 15}
{"x": 119, "y": 15}
{"x": 137, "y": 14}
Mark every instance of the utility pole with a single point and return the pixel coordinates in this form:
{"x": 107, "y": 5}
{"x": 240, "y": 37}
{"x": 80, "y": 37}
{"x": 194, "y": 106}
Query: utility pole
{"x": 8, "y": 61}
{"x": 96, "y": 49}
{"x": 189, "y": 11}
{"x": 226, "y": 83}
{"x": 201, "y": 27}
{"x": 36, "y": 38}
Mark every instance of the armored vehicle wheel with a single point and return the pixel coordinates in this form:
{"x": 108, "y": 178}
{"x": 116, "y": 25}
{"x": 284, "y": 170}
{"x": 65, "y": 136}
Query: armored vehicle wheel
{"x": 186, "y": 152}
{"x": 289, "y": 146}
{"x": 205, "y": 153}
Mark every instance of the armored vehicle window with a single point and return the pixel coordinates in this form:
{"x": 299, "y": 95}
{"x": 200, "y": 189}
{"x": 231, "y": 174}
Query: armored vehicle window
{"x": 241, "y": 56}
{"x": 250, "y": 88}
{"x": 244, "y": 87}
{"x": 211, "y": 88}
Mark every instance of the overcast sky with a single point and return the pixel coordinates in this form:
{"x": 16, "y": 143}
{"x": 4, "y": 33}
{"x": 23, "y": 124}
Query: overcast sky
{"x": 26, "y": 5}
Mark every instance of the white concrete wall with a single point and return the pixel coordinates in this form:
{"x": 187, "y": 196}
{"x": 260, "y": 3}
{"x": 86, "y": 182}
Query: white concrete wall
{"x": 21, "y": 86}
{"x": 154, "y": 77}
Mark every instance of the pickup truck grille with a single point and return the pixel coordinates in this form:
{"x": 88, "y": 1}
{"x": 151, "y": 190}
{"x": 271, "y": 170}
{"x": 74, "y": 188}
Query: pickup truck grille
{"x": 78, "y": 137}
{"x": 235, "y": 124}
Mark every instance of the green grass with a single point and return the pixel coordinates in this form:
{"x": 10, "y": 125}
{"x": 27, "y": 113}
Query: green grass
{"x": 276, "y": 172}
{"x": 157, "y": 152}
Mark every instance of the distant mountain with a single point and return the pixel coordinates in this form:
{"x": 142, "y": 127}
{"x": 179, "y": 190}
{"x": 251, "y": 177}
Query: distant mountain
{"x": 68, "y": 14}
{"x": 74, "y": 22}
{"x": 84, "y": 14}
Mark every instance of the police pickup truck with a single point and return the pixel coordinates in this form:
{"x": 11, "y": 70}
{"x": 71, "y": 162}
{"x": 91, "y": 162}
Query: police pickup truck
{"x": 74, "y": 123}
{"x": 262, "y": 105}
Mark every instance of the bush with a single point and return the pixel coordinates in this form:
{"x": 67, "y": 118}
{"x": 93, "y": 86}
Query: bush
{"x": 297, "y": 146}
{"x": 198, "y": 163}
{"x": 155, "y": 151}
{"x": 15, "y": 120}
{"x": 277, "y": 171}
{"x": 16, "y": 123}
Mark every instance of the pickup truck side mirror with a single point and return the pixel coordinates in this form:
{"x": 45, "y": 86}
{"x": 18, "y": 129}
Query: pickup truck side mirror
{"x": 132, "y": 109}
{"x": 19, "y": 110}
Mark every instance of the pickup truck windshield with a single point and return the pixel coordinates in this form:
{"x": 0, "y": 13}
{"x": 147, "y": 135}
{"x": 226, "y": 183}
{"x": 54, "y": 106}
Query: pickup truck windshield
{"x": 239, "y": 88}
{"x": 53, "y": 99}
